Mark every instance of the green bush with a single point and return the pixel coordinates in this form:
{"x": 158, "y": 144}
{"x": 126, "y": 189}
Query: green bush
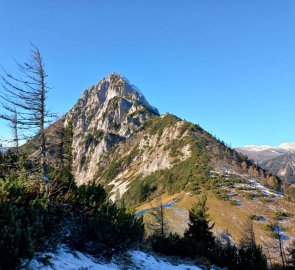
{"x": 279, "y": 215}
{"x": 99, "y": 226}
{"x": 105, "y": 230}
{"x": 254, "y": 217}
{"x": 248, "y": 195}
{"x": 26, "y": 225}
{"x": 85, "y": 219}
{"x": 252, "y": 258}
{"x": 172, "y": 244}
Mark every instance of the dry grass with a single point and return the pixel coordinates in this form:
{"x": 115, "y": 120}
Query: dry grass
{"x": 228, "y": 217}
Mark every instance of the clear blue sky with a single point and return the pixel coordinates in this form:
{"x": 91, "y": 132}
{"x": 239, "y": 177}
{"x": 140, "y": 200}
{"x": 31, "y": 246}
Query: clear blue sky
{"x": 227, "y": 65}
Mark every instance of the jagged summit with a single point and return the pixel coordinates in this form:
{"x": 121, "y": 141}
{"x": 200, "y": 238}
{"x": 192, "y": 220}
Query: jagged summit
{"x": 109, "y": 102}
{"x": 108, "y": 112}
{"x": 116, "y": 85}
{"x": 114, "y": 76}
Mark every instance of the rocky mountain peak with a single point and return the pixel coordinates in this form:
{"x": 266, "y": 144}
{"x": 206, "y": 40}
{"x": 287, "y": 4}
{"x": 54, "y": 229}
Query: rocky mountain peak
{"x": 113, "y": 86}
{"x": 106, "y": 113}
{"x": 106, "y": 105}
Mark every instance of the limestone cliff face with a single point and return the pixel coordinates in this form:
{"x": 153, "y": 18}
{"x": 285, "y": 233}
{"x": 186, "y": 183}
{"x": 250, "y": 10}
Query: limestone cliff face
{"x": 106, "y": 113}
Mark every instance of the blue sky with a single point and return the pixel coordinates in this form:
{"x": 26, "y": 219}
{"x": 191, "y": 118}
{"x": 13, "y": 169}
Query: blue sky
{"x": 227, "y": 65}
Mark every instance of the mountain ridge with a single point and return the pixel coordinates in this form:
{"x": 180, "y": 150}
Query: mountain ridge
{"x": 119, "y": 139}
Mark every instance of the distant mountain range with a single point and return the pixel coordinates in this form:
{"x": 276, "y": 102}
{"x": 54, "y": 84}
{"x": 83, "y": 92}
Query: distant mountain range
{"x": 280, "y": 160}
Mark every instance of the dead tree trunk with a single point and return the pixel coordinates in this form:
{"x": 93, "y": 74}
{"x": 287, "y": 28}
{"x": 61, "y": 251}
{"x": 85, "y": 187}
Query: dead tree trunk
{"x": 25, "y": 96}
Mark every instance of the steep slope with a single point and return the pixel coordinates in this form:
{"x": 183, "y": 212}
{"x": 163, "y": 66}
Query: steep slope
{"x": 173, "y": 155}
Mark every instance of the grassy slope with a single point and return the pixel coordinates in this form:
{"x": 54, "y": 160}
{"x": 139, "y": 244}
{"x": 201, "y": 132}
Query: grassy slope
{"x": 232, "y": 218}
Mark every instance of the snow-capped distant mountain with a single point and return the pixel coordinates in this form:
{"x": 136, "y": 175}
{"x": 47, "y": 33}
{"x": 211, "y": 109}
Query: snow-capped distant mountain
{"x": 286, "y": 146}
{"x": 256, "y": 148}
{"x": 279, "y": 148}
{"x": 280, "y": 160}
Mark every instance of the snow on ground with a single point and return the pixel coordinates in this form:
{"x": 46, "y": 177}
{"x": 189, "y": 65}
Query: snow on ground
{"x": 251, "y": 183}
{"x": 65, "y": 259}
{"x": 264, "y": 189}
{"x": 254, "y": 185}
{"x": 147, "y": 261}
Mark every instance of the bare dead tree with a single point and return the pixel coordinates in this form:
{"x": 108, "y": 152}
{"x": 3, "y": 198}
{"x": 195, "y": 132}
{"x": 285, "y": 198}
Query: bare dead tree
{"x": 248, "y": 235}
{"x": 23, "y": 98}
{"x": 275, "y": 249}
{"x": 159, "y": 224}
{"x": 12, "y": 119}
{"x": 14, "y": 128}
{"x": 281, "y": 244}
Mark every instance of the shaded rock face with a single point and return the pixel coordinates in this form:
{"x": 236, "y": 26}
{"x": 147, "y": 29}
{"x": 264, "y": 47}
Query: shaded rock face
{"x": 283, "y": 166}
{"x": 105, "y": 114}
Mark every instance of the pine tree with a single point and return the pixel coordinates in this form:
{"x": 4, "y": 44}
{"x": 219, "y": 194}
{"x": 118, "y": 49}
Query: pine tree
{"x": 159, "y": 224}
{"x": 199, "y": 232}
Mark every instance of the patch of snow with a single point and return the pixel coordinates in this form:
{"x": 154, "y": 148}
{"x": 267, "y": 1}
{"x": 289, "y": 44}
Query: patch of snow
{"x": 149, "y": 262}
{"x": 238, "y": 203}
{"x": 66, "y": 259}
{"x": 264, "y": 189}
{"x": 255, "y": 185}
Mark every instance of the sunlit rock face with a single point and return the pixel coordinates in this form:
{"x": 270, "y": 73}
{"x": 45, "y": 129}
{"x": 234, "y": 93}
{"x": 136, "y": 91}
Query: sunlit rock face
{"x": 106, "y": 113}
